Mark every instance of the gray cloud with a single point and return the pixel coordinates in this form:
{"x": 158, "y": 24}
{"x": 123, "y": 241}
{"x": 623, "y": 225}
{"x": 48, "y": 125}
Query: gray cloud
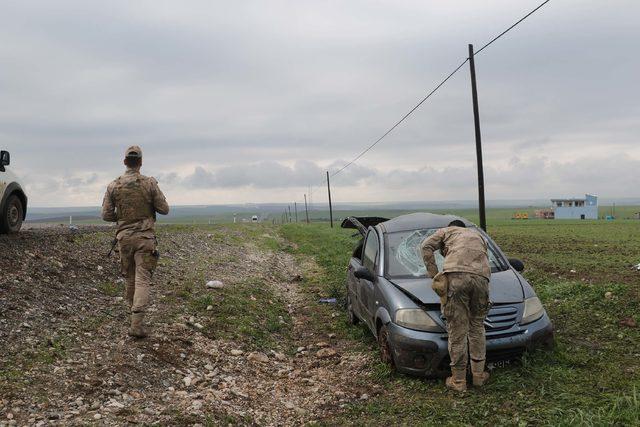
{"x": 235, "y": 101}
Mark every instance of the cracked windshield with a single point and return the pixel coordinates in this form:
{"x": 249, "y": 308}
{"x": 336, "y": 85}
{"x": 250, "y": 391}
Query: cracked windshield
{"x": 405, "y": 259}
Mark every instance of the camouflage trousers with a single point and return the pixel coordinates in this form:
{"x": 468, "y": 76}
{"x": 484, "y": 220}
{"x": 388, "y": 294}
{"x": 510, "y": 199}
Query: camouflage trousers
{"x": 138, "y": 260}
{"x": 466, "y": 308}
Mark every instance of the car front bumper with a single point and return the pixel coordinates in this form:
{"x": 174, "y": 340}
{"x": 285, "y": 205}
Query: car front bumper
{"x": 426, "y": 354}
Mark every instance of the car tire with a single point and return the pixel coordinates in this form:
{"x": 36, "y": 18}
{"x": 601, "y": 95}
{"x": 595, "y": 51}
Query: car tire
{"x": 353, "y": 317}
{"x": 386, "y": 353}
{"x": 12, "y": 215}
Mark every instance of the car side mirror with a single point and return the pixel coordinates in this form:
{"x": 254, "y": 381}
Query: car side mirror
{"x": 5, "y": 158}
{"x": 364, "y": 273}
{"x": 516, "y": 264}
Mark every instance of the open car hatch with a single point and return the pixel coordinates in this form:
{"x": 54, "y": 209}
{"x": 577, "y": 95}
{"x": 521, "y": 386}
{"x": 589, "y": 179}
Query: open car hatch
{"x": 362, "y": 223}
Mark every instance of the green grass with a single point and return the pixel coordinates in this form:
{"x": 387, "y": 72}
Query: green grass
{"x": 111, "y": 289}
{"x": 247, "y": 312}
{"x": 592, "y": 377}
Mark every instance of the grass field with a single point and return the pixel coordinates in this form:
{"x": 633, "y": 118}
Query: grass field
{"x": 592, "y": 377}
{"x": 322, "y": 215}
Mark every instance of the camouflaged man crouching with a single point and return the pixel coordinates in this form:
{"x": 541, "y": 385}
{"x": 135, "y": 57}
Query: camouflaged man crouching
{"x": 132, "y": 201}
{"x": 465, "y": 301}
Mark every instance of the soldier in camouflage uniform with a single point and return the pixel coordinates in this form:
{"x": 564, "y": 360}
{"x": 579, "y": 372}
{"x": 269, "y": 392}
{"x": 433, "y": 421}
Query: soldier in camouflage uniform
{"x": 467, "y": 272}
{"x": 132, "y": 201}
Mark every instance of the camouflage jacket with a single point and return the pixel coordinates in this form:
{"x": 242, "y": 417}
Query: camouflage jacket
{"x": 464, "y": 250}
{"x": 132, "y": 201}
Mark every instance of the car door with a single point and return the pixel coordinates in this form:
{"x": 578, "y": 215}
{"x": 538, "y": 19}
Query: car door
{"x": 353, "y": 283}
{"x": 369, "y": 261}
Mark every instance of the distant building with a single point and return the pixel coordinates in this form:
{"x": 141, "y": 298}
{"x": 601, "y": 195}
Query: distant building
{"x": 544, "y": 213}
{"x": 586, "y": 208}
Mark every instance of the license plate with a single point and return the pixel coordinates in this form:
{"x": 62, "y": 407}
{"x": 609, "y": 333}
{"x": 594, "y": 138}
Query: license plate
{"x": 499, "y": 364}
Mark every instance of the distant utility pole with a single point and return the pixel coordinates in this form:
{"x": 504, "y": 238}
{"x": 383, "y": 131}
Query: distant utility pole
{"x": 295, "y": 206}
{"x": 330, "y": 207}
{"x": 306, "y": 208}
{"x": 289, "y": 213}
{"x": 476, "y": 119}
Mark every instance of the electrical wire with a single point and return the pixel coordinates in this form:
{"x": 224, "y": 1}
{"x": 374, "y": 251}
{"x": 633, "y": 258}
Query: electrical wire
{"x": 370, "y": 147}
{"x": 510, "y": 28}
{"x": 422, "y": 101}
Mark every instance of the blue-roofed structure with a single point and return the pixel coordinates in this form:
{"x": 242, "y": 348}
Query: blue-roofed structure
{"x": 586, "y": 208}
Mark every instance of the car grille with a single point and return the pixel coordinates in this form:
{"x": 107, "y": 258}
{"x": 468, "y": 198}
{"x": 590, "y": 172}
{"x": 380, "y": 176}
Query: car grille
{"x": 501, "y": 318}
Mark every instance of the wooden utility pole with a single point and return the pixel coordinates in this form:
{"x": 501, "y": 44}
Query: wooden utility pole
{"x": 295, "y": 206}
{"x": 289, "y": 212}
{"x": 306, "y": 208}
{"x": 330, "y": 206}
{"x": 476, "y": 119}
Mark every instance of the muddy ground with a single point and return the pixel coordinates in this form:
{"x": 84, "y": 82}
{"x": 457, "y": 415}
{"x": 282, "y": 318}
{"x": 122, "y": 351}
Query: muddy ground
{"x": 66, "y": 357}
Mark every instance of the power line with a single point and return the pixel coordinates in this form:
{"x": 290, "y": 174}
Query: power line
{"x": 401, "y": 120}
{"x": 510, "y": 28}
{"x": 355, "y": 159}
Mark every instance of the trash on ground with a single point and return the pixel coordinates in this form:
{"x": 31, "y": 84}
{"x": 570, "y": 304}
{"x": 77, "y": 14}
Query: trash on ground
{"x": 629, "y": 322}
{"x": 328, "y": 300}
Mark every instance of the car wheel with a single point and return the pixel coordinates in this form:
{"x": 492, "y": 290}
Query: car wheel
{"x": 386, "y": 354}
{"x": 353, "y": 317}
{"x": 12, "y": 215}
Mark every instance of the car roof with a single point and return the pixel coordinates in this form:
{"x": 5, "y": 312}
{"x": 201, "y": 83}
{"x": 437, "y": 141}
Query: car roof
{"x": 419, "y": 220}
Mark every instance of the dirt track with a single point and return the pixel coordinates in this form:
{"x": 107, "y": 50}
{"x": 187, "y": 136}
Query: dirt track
{"x": 67, "y": 358}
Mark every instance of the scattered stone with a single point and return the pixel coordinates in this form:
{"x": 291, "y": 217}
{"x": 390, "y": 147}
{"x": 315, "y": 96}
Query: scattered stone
{"x": 187, "y": 381}
{"x": 608, "y": 295}
{"x": 258, "y": 357}
{"x": 236, "y": 352}
{"x": 97, "y": 416}
{"x": 322, "y": 344}
{"x": 215, "y": 284}
{"x": 325, "y": 353}
{"x": 209, "y": 307}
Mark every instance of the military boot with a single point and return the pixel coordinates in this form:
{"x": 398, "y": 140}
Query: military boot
{"x": 137, "y": 330}
{"x": 458, "y": 380}
{"x": 480, "y": 376}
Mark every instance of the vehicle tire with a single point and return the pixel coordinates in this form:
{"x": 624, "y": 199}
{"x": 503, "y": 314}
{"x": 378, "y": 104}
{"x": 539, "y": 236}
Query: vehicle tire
{"x": 12, "y": 215}
{"x": 353, "y": 317}
{"x": 386, "y": 354}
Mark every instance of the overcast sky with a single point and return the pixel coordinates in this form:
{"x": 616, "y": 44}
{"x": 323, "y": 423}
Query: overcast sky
{"x": 251, "y": 101}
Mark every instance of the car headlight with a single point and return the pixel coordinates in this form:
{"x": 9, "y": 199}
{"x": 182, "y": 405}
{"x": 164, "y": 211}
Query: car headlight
{"x": 533, "y": 310}
{"x": 416, "y": 318}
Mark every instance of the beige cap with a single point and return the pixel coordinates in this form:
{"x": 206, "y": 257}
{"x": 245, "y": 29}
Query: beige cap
{"x": 133, "y": 151}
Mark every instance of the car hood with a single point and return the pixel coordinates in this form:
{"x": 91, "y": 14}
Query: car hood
{"x": 504, "y": 287}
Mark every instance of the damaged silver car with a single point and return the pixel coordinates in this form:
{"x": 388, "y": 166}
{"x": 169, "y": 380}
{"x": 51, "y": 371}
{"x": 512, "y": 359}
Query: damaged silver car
{"x": 388, "y": 290}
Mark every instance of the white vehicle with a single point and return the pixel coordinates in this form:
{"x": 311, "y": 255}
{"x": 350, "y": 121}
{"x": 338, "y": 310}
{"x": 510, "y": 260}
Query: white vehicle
{"x": 254, "y": 218}
{"x": 13, "y": 200}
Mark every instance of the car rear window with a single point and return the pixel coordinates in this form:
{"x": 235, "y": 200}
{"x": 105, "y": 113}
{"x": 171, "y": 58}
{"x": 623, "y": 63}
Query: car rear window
{"x": 404, "y": 259}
